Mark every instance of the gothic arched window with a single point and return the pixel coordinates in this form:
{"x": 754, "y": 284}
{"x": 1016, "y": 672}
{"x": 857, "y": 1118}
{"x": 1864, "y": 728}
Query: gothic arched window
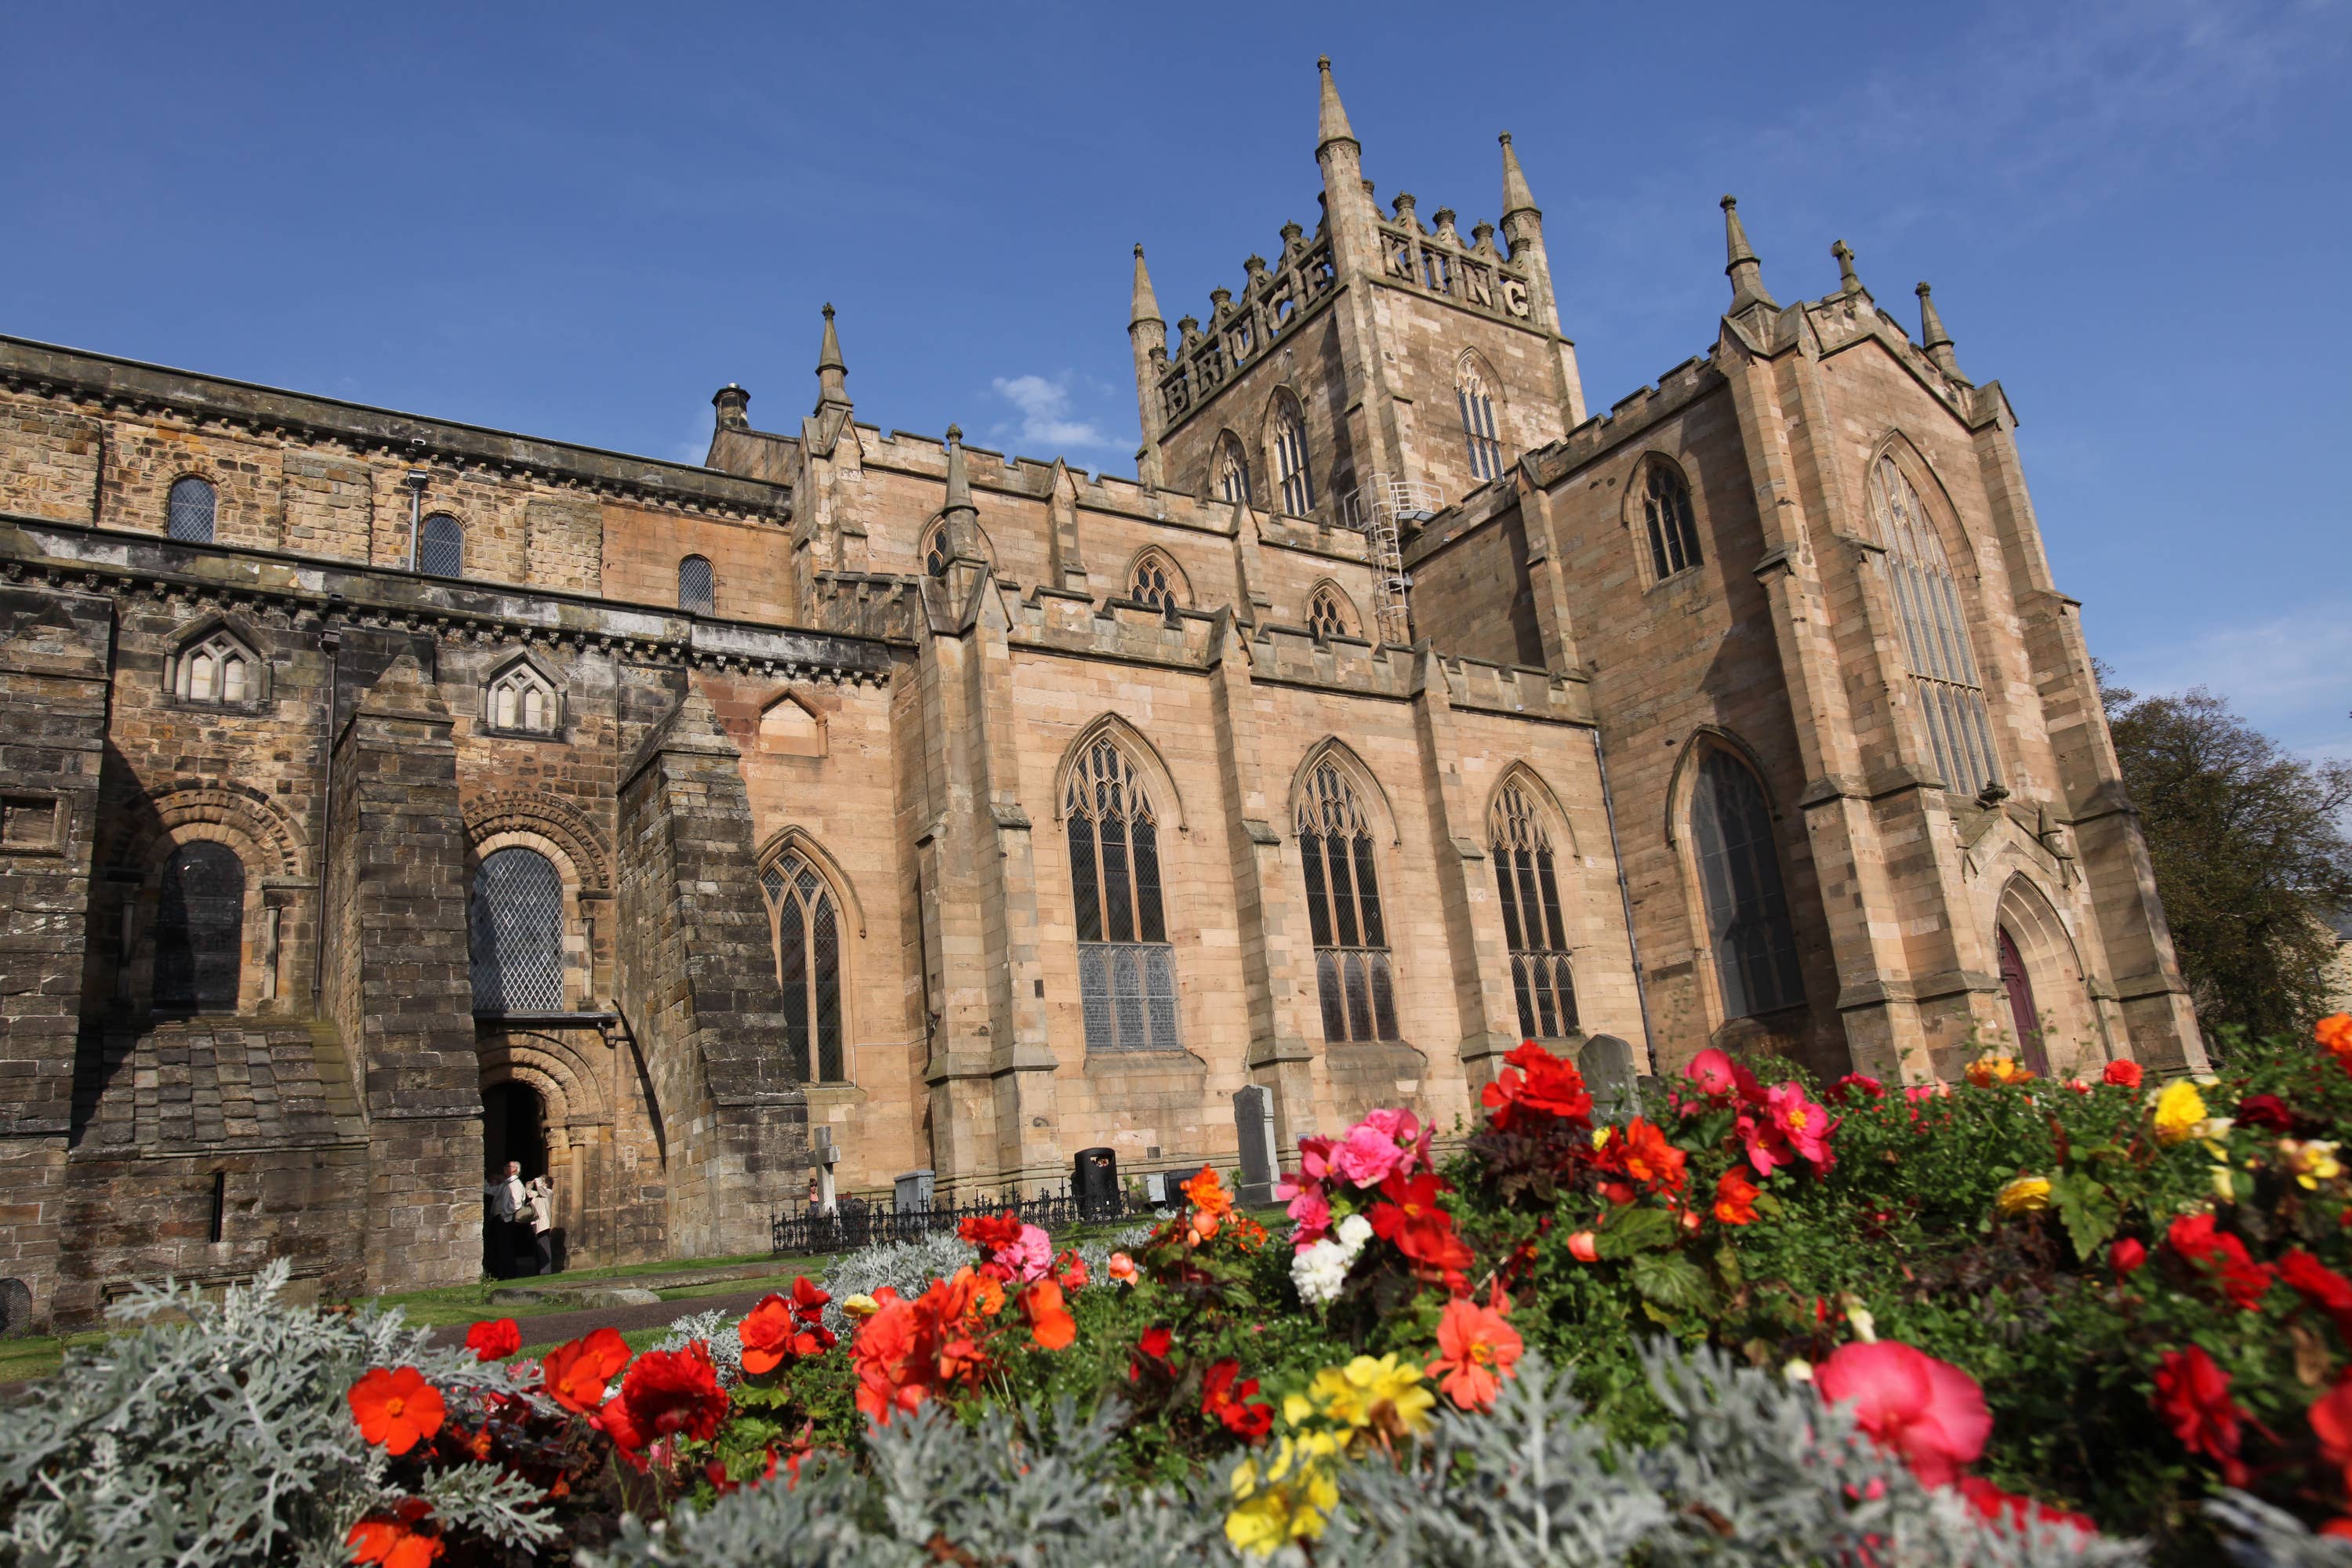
{"x": 1328, "y": 615}
{"x": 1478, "y": 404}
{"x": 807, "y": 922}
{"x": 200, "y": 930}
{"x": 1666, "y": 506}
{"x": 1352, "y": 973}
{"x": 521, "y": 699}
{"x": 1232, "y": 472}
{"x": 698, "y": 587}
{"x": 1156, "y": 583}
{"x": 188, "y": 511}
{"x": 1533, "y": 921}
{"x": 1126, "y": 971}
{"x": 1290, "y": 459}
{"x": 219, "y": 668}
{"x": 517, "y": 932}
{"x": 1739, "y": 880}
{"x": 1935, "y": 633}
{"x": 935, "y": 552}
{"x": 441, "y": 547}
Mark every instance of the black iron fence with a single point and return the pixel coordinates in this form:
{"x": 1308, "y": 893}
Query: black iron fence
{"x": 860, "y": 1222}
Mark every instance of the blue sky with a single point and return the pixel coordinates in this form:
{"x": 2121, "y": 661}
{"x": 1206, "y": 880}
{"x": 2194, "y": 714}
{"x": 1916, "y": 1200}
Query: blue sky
{"x": 578, "y": 221}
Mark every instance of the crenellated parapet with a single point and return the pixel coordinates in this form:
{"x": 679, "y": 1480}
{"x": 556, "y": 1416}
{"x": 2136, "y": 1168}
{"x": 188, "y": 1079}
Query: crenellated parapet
{"x": 1470, "y": 273}
{"x": 1239, "y": 331}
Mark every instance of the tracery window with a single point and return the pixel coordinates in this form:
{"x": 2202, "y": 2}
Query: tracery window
{"x": 935, "y": 552}
{"x": 1533, "y": 923}
{"x": 1935, "y": 633}
{"x": 188, "y": 511}
{"x": 808, "y": 928}
{"x": 521, "y": 699}
{"x": 1353, "y": 972}
{"x": 1126, "y": 970}
{"x": 217, "y": 670}
{"x": 1739, "y": 881}
{"x": 517, "y": 932}
{"x": 1666, "y": 506}
{"x": 1328, "y": 615}
{"x": 441, "y": 547}
{"x": 1155, "y": 583}
{"x": 200, "y": 930}
{"x": 697, "y": 586}
{"x": 1233, "y": 471}
{"x": 1290, "y": 460}
{"x": 1478, "y": 428}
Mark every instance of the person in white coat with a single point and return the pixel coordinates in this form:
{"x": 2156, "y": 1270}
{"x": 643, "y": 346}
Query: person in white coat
{"x": 540, "y": 1196}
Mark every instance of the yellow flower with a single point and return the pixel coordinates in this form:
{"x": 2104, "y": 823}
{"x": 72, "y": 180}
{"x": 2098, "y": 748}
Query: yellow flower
{"x": 2312, "y": 1162}
{"x": 1988, "y": 1070}
{"x": 2224, "y": 1187}
{"x": 2027, "y": 1195}
{"x": 2178, "y": 1109}
{"x": 860, "y": 1306}
{"x": 1383, "y": 1394}
{"x": 1600, "y": 1136}
{"x": 1288, "y": 1495}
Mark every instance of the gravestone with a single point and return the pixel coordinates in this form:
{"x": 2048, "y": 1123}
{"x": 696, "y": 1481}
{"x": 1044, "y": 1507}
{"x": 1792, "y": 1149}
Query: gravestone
{"x": 1155, "y": 1189}
{"x": 1254, "y": 1122}
{"x": 1607, "y": 1064}
{"x": 913, "y": 1193}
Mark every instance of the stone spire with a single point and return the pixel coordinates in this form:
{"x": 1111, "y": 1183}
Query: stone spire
{"x": 1937, "y": 341}
{"x": 1747, "y": 274}
{"x": 1332, "y": 125}
{"x": 1849, "y": 281}
{"x": 959, "y": 488}
{"x": 832, "y": 376}
{"x": 1516, "y": 197}
{"x": 1146, "y": 305}
{"x": 962, "y": 518}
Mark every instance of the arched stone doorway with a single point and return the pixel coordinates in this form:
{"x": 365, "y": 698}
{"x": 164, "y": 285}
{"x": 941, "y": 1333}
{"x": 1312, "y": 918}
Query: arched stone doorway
{"x": 514, "y": 1128}
{"x": 2024, "y": 1016}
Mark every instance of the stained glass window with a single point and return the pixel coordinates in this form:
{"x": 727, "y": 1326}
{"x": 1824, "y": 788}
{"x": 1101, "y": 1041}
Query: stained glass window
{"x": 1353, "y": 975}
{"x": 1477, "y": 406}
{"x": 808, "y": 966}
{"x": 1534, "y": 924}
{"x": 1127, "y": 969}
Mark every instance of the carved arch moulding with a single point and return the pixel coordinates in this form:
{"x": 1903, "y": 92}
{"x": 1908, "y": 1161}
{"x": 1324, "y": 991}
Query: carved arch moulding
{"x": 241, "y": 811}
{"x": 551, "y": 818}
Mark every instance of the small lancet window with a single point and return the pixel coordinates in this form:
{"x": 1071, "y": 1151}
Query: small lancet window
{"x": 806, "y": 923}
{"x": 1328, "y": 616}
{"x": 1666, "y": 507}
{"x": 1352, "y": 974}
{"x": 1233, "y": 472}
{"x": 698, "y": 587}
{"x": 521, "y": 699}
{"x": 1127, "y": 969}
{"x": 935, "y": 552}
{"x": 1155, "y": 583}
{"x": 1525, "y": 876}
{"x": 1478, "y": 404}
{"x": 188, "y": 511}
{"x": 218, "y": 669}
{"x": 441, "y": 547}
{"x": 1290, "y": 461}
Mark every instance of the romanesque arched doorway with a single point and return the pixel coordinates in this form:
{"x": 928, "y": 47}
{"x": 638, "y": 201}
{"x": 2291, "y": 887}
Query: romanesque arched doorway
{"x": 514, "y": 1128}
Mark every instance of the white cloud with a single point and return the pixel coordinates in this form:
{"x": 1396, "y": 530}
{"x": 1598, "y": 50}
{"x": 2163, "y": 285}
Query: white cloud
{"x": 2289, "y": 673}
{"x": 1046, "y": 424}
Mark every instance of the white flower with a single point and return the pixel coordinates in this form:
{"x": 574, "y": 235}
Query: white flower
{"x": 1321, "y": 1270}
{"x": 1798, "y": 1370}
{"x": 1354, "y": 1231}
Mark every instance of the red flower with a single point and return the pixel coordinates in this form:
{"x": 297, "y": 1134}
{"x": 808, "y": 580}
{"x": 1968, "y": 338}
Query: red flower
{"x": 1641, "y": 1153}
{"x": 1584, "y": 1246}
{"x": 2127, "y": 1256}
{"x": 909, "y": 1349}
{"x": 1234, "y": 1403}
{"x": 667, "y": 1392}
{"x": 1734, "y": 1198}
{"x": 396, "y": 1408}
{"x": 991, "y": 1235}
{"x": 2331, "y": 1423}
{"x": 2192, "y": 1394}
{"x": 1155, "y": 1342}
{"x": 1927, "y": 1411}
{"x": 809, "y": 1302}
{"x": 1476, "y": 1350}
{"x": 2222, "y": 1255}
{"x": 576, "y": 1373}
{"x": 2017, "y": 1512}
{"x": 1535, "y": 1085}
{"x": 494, "y": 1340}
{"x": 2267, "y": 1111}
{"x": 1050, "y": 1323}
{"x": 2334, "y": 1032}
{"x": 395, "y": 1542}
{"x": 2321, "y": 1286}
{"x": 2122, "y": 1074}
{"x": 766, "y": 1332}
{"x": 1715, "y": 1075}
{"x": 1855, "y": 1086}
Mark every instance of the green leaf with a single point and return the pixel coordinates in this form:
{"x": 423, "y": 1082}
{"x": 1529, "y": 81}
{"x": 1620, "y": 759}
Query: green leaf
{"x": 1726, "y": 1264}
{"x": 1673, "y": 1282}
{"x": 2087, "y": 1209}
{"x": 1632, "y": 1230}
{"x": 1769, "y": 1206}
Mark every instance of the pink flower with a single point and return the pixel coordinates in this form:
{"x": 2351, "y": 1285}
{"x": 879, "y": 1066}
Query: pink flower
{"x": 1927, "y": 1411}
{"x": 1714, "y": 1074}
{"x": 1367, "y": 1156}
{"x": 1803, "y": 1122}
{"x": 1031, "y": 1257}
{"x": 1312, "y": 1210}
{"x": 1411, "y": 1137}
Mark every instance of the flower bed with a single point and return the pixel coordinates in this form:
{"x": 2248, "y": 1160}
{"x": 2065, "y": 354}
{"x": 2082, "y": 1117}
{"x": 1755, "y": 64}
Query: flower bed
{"x": 2001, "y": 1321}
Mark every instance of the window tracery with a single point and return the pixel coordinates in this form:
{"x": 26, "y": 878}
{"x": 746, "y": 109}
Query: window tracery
{"x": 1127, "y": 969}
{"x": 1533, "y": 922}
{"x": 1156, "y": 583}
{"x": 1666, "y": 508}
{"x": 1233, "y": 471}
{"x": 1328, "y": 615}
{"x": 218, "y": 668}
{"x": 935, "y": 552}
{"x": 1740, "y": 883}
{"x": 805, "y": 921}
{"x": 522, "y": 699}
{"x": 1936, "y": 643}
{"x": 1290, "y": 459}
{"x": 1477, "y": 406}
{"x": 1353, "y": 975}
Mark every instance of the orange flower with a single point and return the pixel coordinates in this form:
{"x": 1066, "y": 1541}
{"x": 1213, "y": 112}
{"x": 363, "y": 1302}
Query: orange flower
{"x": 1584, "y": 1246}
{"x": 1123, "y": 1270}
{"x": 1050, "y": 1323}
{"x": 396, "y": 1543}
{"x": 1475, "y": 1350}
{"x": 1642, "y": 1153}
{"x": 1201, "y": 1227}
{"x": 576, "y": 1373}
{"x": 2334, "y": 1032}
{"x": 1985, "y": 1073}
{"x": 396, "y": 1408}
{"x": 1208, "y": 1195}
{"x": 766, "y": 1332}
{"x": 1734, "y": 1198}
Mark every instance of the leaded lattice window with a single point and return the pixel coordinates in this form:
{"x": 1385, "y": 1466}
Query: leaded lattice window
{"x": 441, "y": 547}
{"x": 1666, "y": 507}
{"x": 1935, "y": 633}
{"x": 1233, "y": 471}
{"x": 1126, "y": 970}
{"x": 1290, "y": 461}
{"x": 188, "y": 511}
{"x": 935, "y": 553}
{"x": 1533, "y": 922}
{"x": 807, "y": 927}
{"x": 1739, "y": 881}
{"x": 1155, "y": 583}
{"x": 1478, "y": 428}
{"x": 217, "y": 670}
{"x": 517, "y": 932}
{"x": 1328, "y": 615}
{"x": 1353, "y": 972}
{"x": 200, "y": 930}
{"x": 698, "y": 587}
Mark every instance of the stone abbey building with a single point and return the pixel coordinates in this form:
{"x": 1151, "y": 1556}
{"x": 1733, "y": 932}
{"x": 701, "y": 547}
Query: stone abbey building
{"x": 383, "y": 796}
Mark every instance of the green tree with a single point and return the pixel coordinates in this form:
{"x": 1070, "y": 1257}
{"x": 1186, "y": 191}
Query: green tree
{"x": 2250, "y": 854}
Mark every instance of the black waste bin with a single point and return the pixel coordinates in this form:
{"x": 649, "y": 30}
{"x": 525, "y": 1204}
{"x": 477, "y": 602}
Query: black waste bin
{"x": 1095, "y": 1184}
